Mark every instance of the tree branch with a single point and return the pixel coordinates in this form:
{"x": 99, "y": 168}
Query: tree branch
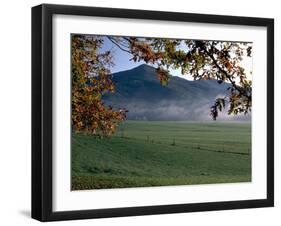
{"x": 117, "y": 44}
{"x": 222, "y": 70}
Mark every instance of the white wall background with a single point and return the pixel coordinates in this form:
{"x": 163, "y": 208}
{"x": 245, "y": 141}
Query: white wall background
{"x": 15, "y": 113}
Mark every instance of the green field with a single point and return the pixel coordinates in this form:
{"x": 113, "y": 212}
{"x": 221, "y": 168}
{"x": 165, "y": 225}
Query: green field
{"x": 148, "y": 153}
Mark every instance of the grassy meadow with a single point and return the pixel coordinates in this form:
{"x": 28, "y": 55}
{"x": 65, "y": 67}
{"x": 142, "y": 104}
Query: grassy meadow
{"x": 157, "y": 153}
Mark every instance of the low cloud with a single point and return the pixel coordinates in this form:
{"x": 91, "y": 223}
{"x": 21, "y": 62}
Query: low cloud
{"x": 176, "y": 110}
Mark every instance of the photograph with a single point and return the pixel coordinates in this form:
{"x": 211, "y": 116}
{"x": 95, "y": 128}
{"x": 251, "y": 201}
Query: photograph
{"x": 150, "y": 111}
{"x": 144, "y": 112}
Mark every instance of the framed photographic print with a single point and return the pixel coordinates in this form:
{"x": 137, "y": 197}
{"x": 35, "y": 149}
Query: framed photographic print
{"x": 146, "y": 112}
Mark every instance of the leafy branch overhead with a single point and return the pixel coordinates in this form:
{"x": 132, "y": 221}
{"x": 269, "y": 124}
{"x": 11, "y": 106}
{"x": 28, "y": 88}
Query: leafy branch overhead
{"x": 201, "y": 60}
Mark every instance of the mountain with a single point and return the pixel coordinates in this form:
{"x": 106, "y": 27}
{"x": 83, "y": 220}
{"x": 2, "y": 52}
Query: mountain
{"x": 140, "y": 92}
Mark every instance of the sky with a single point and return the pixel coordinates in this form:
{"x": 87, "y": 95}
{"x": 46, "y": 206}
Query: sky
{"x": 121, "y": 58}
{"x": 122, "y": 61}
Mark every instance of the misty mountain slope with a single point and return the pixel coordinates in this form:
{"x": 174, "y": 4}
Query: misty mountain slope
{"x": 140, "y": 92}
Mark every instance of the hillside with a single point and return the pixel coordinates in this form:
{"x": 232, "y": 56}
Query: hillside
{"x": 139, "y": 91}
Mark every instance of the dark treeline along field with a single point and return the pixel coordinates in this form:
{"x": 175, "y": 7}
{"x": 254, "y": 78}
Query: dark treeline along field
{"x": 156, "y": 153}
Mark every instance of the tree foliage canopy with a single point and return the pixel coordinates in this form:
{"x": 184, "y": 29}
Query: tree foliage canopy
{"x": 91, "y": 78}
{"x": 202, "y": 60}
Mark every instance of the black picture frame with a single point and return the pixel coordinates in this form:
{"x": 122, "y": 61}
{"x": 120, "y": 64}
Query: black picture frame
{"x": 42, "y": 111}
